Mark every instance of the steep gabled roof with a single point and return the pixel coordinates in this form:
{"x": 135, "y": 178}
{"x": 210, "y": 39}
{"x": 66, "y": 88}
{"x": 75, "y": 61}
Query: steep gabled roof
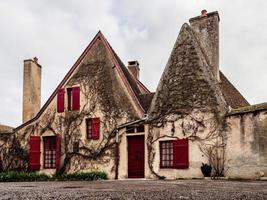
{"x": 187, "y": 82}
{"x": 231, "y": 95}
{"x": 124, "y": 74}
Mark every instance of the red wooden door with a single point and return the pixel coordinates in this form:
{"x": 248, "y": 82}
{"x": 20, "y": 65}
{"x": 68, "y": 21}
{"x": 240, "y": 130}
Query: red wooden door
{"x": 136, "y": 158}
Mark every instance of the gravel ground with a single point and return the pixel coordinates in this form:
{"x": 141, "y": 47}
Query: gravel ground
{"x": 136, "y": 189}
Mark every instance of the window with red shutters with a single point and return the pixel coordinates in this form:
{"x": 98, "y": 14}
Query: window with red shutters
{"x": 50, "y": 152}
{"x": 174, "y": 154}
{"x": 60, "y": 100}
{"x": 73, "y": 98}
{"x": 35, "y": 153}
{"x": 166, "y": 154}
{"x": 93, "y": 128}
{"x": 52, "y": 147}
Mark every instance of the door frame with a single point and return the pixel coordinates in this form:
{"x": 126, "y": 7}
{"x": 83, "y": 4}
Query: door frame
{"x": 135, "y": 135}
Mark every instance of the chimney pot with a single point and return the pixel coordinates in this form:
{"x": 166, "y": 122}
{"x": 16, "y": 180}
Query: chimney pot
{"x": 35, "y": 59}
{"x": 204, "y": 13}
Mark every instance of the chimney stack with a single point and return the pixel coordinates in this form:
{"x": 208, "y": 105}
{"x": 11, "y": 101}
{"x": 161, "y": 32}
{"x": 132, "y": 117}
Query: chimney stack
{"x": 206, "y": 27}
{"x": 31, "y": 89}
{"x": 133, "y": 67}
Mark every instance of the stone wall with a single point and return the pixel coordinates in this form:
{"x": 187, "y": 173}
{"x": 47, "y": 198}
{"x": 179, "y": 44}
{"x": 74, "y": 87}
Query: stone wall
{"x": 246, "y": 150}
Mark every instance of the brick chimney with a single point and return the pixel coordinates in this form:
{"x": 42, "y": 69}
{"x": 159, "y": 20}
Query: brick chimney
{"x": 207, "y": 28}
{"x": 133, "y": 67}
{"x": 31, "y": 89}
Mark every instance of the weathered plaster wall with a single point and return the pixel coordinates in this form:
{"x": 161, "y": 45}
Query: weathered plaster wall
{"x": 102, "y": 95}
{"x": 198, "y": 134}
{"x": 246, "y": 150}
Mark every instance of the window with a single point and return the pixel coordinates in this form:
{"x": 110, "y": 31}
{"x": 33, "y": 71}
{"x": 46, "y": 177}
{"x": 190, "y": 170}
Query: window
{"x": 50, "y": 152}
{"x": 69, "y": 94}
{"x": 89, "y": 128}
{"x": 174, "y": 154}
{"x": 140, "y": 129}
{"x": 93, "y": 128}
{"x": 130, "y": 129}
{"x": 166, "y": 154}
{"x": 135, "y": 129}
{"x": 73, "y": 98}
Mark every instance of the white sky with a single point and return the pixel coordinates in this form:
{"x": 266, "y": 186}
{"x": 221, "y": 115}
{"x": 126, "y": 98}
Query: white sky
{"x": 58, "y": 31}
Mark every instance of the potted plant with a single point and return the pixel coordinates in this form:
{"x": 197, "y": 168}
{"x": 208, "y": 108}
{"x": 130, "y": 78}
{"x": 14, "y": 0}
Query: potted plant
{"x": 206, "y": 169}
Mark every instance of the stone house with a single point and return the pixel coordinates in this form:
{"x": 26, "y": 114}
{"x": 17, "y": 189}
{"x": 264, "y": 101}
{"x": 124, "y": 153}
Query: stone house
{"x": 101, "y": 117}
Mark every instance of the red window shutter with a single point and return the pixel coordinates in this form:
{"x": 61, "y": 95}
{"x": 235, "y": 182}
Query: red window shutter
{"x": 76, "y": 98}
{"x": 60, "y": 100}
{"x": 58, "y": 151}
{"x": 35, "y": 153}
{"x": 180, "y": 154}
{"x": 95, "y": 128}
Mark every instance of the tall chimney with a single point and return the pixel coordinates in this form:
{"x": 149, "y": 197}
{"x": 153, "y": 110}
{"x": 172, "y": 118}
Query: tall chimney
{"x": 31, "y": 89}
{"x": 206, "y": 27}
{"x": 133, "y": 67}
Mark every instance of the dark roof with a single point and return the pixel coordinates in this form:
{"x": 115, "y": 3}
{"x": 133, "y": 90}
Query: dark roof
{"x": 135, "y": 83}
{"x": 231, "y": 95}
{"x": 145, "y": 100}
{"x": 248, "y": 109}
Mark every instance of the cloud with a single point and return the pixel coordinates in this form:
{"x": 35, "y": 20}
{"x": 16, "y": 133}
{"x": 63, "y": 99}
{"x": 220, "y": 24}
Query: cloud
{"x": 58, "y": 31}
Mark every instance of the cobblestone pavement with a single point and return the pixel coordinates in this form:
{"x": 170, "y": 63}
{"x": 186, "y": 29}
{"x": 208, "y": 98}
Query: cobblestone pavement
{"x": 136, "y": 189}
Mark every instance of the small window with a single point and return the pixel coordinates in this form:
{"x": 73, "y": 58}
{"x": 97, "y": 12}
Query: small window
{"x": 93, "y": 128}
{"x": 49, "y": 152}
{"x": 69, "y": 94}
{"x": 130, "y": 129}
{"x": 166, "y": 154}
{"x": 140, "y": 129}
{"x": 174, "y": 154}
{"x": 89, "y": 128}
{"x": 73, "y": 95}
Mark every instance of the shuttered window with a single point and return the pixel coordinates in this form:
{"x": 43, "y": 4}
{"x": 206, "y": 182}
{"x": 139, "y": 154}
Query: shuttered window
{"x": 73, "y": 98}
{"x": 166, "y": 154}
{"x": 93, "y": 128}
{"x": 60, "y": 100}
{"x": 52, "y": 152}
{"x": 34, "y": 154}
{"x": 174, "y": 154}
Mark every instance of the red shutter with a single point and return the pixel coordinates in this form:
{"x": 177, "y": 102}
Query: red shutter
{"x": 35, "y": 153}
{"x": 58, "y": 148}
{"x": 95, "y": 128}
{"x": 76, "y": 98}
{"x": 60, "y": 100}
{"x": 180, "y": 154}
